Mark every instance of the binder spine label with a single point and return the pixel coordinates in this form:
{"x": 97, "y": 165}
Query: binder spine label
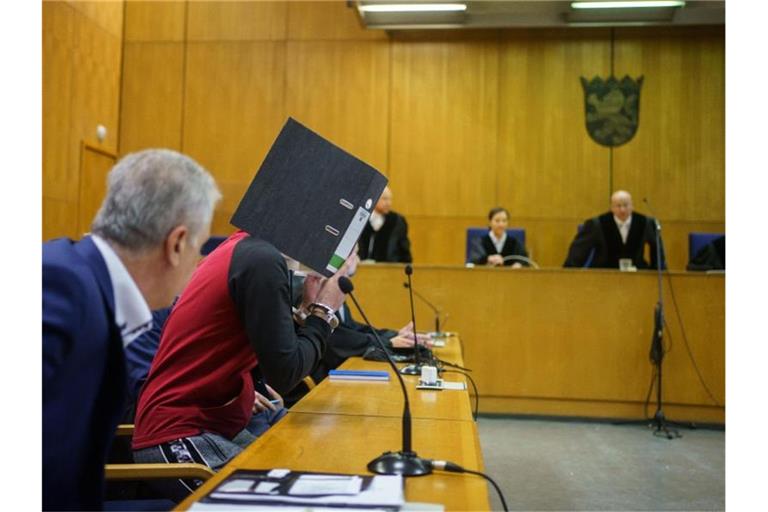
{"x": 349, "y": 239}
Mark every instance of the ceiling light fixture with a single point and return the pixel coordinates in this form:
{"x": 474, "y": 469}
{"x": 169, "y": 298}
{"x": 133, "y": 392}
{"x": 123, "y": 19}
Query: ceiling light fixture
{"x": 639, "y": 4}
{"x": 413, "y": 7}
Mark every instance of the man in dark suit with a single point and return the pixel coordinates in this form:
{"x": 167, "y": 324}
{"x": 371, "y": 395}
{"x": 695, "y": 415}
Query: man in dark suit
{"x": 618, "y": 234}
{"x": 385, "y": 236}
{"x": 97, "y": 295}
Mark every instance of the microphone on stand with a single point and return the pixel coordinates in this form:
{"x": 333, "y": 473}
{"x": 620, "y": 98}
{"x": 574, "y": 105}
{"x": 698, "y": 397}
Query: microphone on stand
{"x": 415, "y": 368}
{"x": 405, "y": 462}
{"x": 438, "y": 333}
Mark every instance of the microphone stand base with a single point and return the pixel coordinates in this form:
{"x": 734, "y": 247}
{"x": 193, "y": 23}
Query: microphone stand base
{"x": 400, "y": 463}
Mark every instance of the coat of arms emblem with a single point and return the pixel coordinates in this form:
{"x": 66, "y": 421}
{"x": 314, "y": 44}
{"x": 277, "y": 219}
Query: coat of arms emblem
{"x": 612, "y": 108}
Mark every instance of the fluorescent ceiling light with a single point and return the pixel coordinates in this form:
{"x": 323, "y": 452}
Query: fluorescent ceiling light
{"x": 413, "y": 7}
{"x": 628, "y": 4}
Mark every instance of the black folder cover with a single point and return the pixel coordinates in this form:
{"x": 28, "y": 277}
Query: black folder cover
{"x": 310, "y": 199}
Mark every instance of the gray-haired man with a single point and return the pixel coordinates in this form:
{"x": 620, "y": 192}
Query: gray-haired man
{"x": 97, "y": 297}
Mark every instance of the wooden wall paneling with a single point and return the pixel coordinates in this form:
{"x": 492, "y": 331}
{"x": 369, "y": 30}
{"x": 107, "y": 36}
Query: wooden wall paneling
{"x": 677, "y": 158}
{"x": 549, "y": 168}
{"x": 230, "y": 124}
{"x": 59, "y": 218}
{"x": 58, "y": 48}
{"x": 95, "y": 85}
{"x": 439, "y": 240}
{"x": 326, "y": 19}
{"x": 443, "y": 126}
{"x": 108, "y": 15}
{"x": 340, "y": 90}
{"x": 153, "y": 92}
{"x": 81, "y": 52}
{"x": 95, "y": 164}
{"x": 236, "y": 21}
{"x": 155, "y": 21}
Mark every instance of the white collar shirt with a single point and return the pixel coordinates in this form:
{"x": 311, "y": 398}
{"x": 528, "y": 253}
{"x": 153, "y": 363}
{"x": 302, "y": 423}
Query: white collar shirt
{"x": 623, "y": 227}
{"x": 132, "y": 314}
{"x": 498, "y": 242}
{"x": 377, "y": 220}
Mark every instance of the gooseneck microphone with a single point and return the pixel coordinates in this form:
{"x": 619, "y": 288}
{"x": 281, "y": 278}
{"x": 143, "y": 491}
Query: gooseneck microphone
{"x": 404, "y": 462}
{"x": 415, "y": 368}
{"x": 434, "y": 309}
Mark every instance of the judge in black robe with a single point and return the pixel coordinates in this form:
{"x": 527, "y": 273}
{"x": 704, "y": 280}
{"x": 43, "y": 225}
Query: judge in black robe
{"x": 388, "y": 243}
{"x": 601, "y": 238}
{"x": 483, "y": 247}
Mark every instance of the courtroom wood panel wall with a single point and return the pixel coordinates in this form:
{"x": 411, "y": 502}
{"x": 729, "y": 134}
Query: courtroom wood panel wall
{"x": 82, "y": 46}
{"x": 567, "y": 342}
{"x": 152, "y": 95}
{"x": 460, "y": 121}
{"x": 155, "y": 21}
{"x": 229, "y": 125}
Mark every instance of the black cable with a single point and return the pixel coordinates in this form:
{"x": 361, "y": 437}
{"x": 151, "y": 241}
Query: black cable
{"x": 650, "y": 390}
{"x": 474, "y": 386}
{"x": 685, "y": 339}
{"x": 445, "y": 465}
{"x": 452, "y": 365}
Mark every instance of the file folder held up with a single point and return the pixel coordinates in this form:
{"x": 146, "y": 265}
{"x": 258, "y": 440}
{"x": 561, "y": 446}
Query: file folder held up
{"x": 310, "y": 199}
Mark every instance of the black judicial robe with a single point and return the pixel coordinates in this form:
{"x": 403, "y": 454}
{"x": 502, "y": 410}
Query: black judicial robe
{"x": 601, "y": 235}
{"x": 709, "y": 257}
{"x": 484, "y": 247}
{"x": 388, "y": 244}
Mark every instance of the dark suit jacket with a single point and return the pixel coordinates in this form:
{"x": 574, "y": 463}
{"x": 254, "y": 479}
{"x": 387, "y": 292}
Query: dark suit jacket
{"x": 483, "y": 247}
{"x": 601, "y": 235}
{"x": 83, "y": 374}
{"x": 390, "y": 243}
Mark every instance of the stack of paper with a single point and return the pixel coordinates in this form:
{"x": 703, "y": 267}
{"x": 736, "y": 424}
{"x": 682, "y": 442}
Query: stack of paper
{"x": 283, "y": 488}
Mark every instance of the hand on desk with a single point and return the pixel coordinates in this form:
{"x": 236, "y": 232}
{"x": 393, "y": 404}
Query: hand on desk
{"x": 495, "y": 260}
{"x": 407, "y": 341}
{"x": 407, "y": 332}
{"x": 262, "y": 403}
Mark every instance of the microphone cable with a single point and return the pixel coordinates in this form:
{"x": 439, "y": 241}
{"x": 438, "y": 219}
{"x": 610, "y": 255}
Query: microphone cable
{"x": 474, "y": 387}
{"x": 444, "y": 465}
{"x": 685, "y": 339}
{"x": 446, "y": 363}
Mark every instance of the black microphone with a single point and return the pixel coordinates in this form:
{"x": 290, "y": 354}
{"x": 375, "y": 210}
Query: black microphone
{"x": 415, "y": 368}
{"x": 434, "y": 309}
{"x": 404, "y": 462}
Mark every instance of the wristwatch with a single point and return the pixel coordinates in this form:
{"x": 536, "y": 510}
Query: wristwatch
{"x": 326, "y": 313}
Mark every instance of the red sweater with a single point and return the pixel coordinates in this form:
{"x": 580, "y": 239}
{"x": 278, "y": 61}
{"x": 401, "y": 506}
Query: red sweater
{"x": 235, "y": 306}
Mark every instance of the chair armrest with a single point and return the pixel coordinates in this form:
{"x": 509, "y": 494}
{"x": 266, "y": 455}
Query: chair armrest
{"x": 157, "y": 471}
{"x": 309, "y": 382}
{"x": 124, "y": 429}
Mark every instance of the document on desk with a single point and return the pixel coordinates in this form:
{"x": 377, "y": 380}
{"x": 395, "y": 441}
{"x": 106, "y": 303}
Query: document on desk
{"x": 295, "y": 489}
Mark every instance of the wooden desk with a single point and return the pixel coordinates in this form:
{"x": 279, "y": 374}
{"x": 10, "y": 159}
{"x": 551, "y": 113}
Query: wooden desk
{"x": 341, "y": 426}
{"x": 568, "y": 342}
{"x": 345, "y": 444}
{"x": 386, "y": 398}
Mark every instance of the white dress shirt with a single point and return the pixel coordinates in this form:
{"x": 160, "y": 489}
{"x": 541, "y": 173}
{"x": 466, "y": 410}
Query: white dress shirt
{"x": 377, "y": 220}
{"x": 623, "y": 227}
{"x": 498, "y": 242}
{"x": 132, "y": 313}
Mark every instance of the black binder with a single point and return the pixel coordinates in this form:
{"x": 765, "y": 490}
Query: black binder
{"x": 310, "y": 199}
